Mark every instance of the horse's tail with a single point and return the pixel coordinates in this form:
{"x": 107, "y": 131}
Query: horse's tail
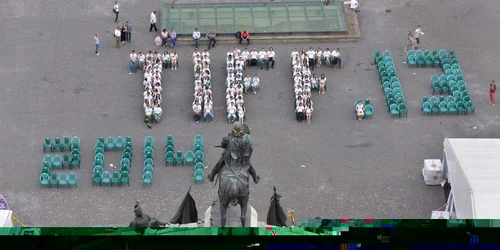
{"x": 233, "y": 191}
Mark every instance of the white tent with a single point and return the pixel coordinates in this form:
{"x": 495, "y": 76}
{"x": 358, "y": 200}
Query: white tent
{"x": 473, "y": 170}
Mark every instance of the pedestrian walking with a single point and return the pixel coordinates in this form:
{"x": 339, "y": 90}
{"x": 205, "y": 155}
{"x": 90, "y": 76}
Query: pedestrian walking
{"x": 211, "y": 38}
{"x": 173, "y": 37}
{"x": 118, "y": 34}
{"x": 133, "y": 63}
{"x": 97, "y": 40}
{"x": 418, "y": 32}
{"x": 129, "y": 31}
{"x": 196, "y": 37}
{"x": 412, "y": 42}
{"x": 493, "y": 88}
{"x": 116, "y": 10}
{"x": 153, "y": 22}
{"x": 124, "y": 34}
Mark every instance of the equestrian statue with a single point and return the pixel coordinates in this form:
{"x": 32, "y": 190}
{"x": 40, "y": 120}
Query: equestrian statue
{"x": 233, "y": 170}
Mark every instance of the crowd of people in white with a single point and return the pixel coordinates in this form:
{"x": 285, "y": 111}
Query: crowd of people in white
{"x": 202, "y": 104}
{"x": 152, "y": 64}
{"x": 235, "y": 70}
{"x": 304, "y": 83}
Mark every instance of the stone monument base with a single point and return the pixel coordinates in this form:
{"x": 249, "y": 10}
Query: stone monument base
{"x": 212, "y": 216}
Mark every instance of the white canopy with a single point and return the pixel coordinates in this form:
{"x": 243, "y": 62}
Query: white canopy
{"x": 473, "y": 167}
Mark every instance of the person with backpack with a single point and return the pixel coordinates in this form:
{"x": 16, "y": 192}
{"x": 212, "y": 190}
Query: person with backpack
{"x": 245, "y": 36}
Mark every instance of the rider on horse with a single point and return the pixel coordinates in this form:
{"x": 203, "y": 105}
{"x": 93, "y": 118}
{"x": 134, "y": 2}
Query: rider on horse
{"x": 238, "y": 147}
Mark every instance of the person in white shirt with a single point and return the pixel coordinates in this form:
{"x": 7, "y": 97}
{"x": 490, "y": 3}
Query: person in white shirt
{"x": 196, "y": 54}
{"x": 314, "y": 81}
{"x": 116, "y": 10}
{"x": 311, "y": 56}
{"x": 255, "y": 84}
{"x": 319, "y": 56}
{"x": 309, "y": 110}
{"x": 262, "y": 58}
{"x": 133, "y": 62}
{"x": 158, "y": 111}
{"x": 173, "y": 59}
{"x": 166, "y": 59}
{"x": 164, "y": 38}
{"x": 270, "y": 58}
{"x": 153, "y": 22}
{"x": 336, "y": 58}
{"x": 118, "y": 34}
{"x": 295, "y": 53}
{"x": 299, "y": 111}
{"x": 196, "y": 37}
{"x": 141, "y": 58}
{"x": 205, "y": 53}
{"x": 360, "y": 110}
{"x": 322, "y": 83}
{"x": 236, "y": 52}
{"x": 245, "y": 56}
{"x": 206, "y": 59}
{"x": 253, "y": 57}
{"x": 327, "y": 54}
{"x": 246, "y": 82}
{"x": 231, "y": 113}
{"x": 197, "y": 111}
{"x": 354, "y": 5}
{"x": 208, "y": 112}
{"x": 418, "y": 32}
{"x": 158, "y": 87}
{"x": 148, "y": 111}
{"x": 241, "y": 112}
{"x": 149, "y": 55}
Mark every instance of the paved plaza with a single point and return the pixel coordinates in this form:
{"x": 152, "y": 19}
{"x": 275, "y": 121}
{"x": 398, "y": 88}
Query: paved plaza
{"x": 54, "y": 85}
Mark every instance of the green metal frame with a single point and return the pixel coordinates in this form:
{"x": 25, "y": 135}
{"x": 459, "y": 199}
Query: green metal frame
{"x": 256, "y": 18}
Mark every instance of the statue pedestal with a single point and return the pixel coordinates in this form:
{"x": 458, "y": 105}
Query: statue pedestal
{"x": 212, "y": 216}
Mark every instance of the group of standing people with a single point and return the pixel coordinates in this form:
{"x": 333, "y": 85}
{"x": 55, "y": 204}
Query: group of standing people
{"x": 123, "y": 34}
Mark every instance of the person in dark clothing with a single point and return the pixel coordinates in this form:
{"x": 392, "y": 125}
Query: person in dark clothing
{"x": 124, "y": 34}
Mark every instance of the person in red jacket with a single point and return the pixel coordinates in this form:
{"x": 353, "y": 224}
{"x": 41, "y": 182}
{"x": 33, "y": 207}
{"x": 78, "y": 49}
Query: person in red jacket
{"x": 493, "y": 88}
{"x": 245, "y": 37}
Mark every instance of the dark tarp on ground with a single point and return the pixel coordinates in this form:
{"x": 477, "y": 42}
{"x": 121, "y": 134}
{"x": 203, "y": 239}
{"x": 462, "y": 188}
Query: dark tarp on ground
{"x": 276, "y": 216}
{"x": 187, "y": 212}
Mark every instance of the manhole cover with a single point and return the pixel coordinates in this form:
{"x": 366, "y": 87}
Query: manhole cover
{"x": 388, "y": 11}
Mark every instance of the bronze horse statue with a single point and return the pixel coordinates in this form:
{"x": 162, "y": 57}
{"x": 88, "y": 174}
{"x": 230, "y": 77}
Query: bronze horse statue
{"x": 233, "y": 170}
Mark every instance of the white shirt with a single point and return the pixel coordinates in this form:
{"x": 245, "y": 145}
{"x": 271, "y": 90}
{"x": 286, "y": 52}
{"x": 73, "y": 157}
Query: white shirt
{"x": 148, "y": 110}
{"x": 245, "y": 54}
{"x": 231, "y": 109}
{"x": 133, "y": 56}
{"x": 236, "y": 52}
{"x": 354, "y": 4}
{"x": 247, "y": 81}
{"x": 359, "y": 107}
{"x": 262, "y": 54}
{"x": 118, "y": 32}
{"x": 327, "y": 53}
{"x": 116, "y": 7}
{"x": 153, "y": 17}
{"x": 205, "y": 53}
{"x": 164, "y": 34}
{"x": 208, "y": 108}
{"x": 166, "y": 57}
{"x": 300, "y": 108}
{"x": 256, "y": 81}
{"x": 294, "y": 54}
{"x": 311, "y": 54}
{"x": 196, "y": 34}
{"x": 254, "y": 54}
{"x": 271, "y": 54}
{"x": 173, "y": 56}
{"x": 142, "y": 57}
{"x": 319, "y": 53}
{"x": 158, "y": 110}
{"x": 335, "y": 53}
{"x": 417, "y": 33}
{"x": 197, "y": 108}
